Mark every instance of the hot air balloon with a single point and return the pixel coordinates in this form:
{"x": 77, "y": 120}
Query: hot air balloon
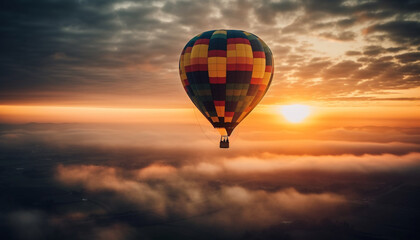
{"x": 226, "y": 73}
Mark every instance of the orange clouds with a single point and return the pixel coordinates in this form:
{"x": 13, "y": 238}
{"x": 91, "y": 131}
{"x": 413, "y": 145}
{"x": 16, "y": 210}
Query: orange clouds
{"x": 156, "y": 171}
{"x": 183, "y": 192}
{"x": 342, "y": 163}
{"x": 118, "y": 180}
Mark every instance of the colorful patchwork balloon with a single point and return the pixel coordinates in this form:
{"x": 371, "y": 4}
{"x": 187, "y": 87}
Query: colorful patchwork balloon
{"x": 226, "y": 73}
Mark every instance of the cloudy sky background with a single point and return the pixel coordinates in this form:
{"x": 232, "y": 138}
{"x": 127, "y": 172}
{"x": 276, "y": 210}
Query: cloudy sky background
{"x": 92, "y": 107}
{"x": 126, "y": 52}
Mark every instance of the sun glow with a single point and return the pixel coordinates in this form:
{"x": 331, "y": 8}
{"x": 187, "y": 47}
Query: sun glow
{"x": 295, "y": 113}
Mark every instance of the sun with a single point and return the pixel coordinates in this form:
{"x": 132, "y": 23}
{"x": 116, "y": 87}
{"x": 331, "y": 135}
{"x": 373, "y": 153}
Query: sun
{"x": 295, "y": 113}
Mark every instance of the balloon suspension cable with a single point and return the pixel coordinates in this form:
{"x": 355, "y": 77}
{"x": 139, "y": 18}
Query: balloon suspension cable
{"x": 199, "y": 124}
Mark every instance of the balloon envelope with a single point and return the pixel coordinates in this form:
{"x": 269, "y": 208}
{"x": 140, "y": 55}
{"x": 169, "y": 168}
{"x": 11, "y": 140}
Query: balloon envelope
{"x": 226, "y": 73}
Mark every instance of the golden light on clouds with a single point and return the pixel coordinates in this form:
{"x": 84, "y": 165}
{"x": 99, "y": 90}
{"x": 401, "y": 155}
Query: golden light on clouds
{"x": 66, "y": 114}
{"x": 99, "y": 140}
{"x": 295, "y": 113}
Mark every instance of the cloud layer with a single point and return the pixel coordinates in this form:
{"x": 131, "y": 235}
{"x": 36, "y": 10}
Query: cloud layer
{"x": 81, "y": 181}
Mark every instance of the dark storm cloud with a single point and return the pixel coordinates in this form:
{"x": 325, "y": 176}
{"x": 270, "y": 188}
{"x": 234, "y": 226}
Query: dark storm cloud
{"x": 351, "y": 12}
{"x": 379, "y": 66}
{"x": 71, "y": 45}
{"x": 373, "y": 50}
{"x": 267, "y": 11}
{"x": 400, "y": 32}
{"x": 374, "y": 69}
{"x": 408, "y": 57}
{"x": 342, "y": 36}
{"x": 342, "y": 7}
{"x": 189, "y": 13}
{"x": 348, "y": 22}
{"x": 353, "y": 53}
{"x": 396, "y": 49}
{"x": 313, "y": 69}
{"x": 341, "y": 70}
{"x": 325, "y": 6}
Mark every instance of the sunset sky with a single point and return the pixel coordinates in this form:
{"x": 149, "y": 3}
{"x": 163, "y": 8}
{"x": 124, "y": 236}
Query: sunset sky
{"x": 88, "y": 60}
{"x": 91, "y": 102}
{"x": 123, "y": 53}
